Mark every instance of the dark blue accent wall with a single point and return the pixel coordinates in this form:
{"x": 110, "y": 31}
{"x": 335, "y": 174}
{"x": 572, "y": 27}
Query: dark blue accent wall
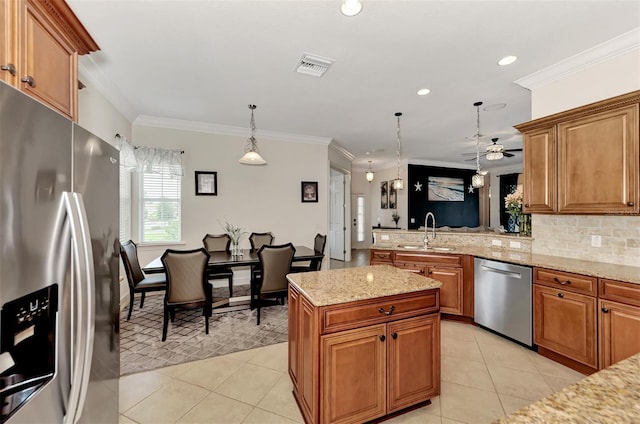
{"x": 452, "y": 214}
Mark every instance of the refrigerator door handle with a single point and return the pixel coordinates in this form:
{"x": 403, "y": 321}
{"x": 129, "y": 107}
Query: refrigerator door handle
{"x": 89, "y": 300}
{"x": 82, "y": 323}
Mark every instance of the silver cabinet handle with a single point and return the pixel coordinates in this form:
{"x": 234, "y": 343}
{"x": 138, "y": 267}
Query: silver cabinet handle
{"x": 29, "y": 80}
{"x": 9, "y": 68}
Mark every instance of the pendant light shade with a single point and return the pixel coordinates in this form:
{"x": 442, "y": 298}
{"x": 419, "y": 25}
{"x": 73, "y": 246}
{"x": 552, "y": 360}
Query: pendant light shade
{"x": 398, "y": 183}
{"x": 252, "y": 153}
{"x": 477, "y": 180}
{"x": 369, "y": 173}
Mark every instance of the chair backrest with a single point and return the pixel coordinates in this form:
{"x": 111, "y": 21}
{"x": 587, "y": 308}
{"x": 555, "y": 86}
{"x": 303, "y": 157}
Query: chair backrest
{"x": 258, "y": 240}
{"x": 319, "y": 242}
{"x": 217, "y": 242}
{"x": 275, "y": 262}
{"x": 129, "y": 253}
{"x": 186, "y": 277}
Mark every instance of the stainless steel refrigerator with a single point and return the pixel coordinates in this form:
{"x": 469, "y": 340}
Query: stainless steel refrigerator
{"x": 59, "y": 296}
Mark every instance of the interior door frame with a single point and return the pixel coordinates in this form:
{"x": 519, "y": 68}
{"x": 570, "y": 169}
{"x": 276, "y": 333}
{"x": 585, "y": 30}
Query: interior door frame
{"x": 346, "y": 229}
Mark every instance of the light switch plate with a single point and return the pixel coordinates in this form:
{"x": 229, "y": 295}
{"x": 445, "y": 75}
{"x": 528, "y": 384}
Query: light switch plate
{"x": 496, "y": 242}
{"x": 596, "y": 241}
{"x": 384, "y": 236}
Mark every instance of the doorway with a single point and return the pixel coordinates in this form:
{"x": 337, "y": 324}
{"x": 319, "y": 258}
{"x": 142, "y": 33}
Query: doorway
{"x": 339, "y": 210}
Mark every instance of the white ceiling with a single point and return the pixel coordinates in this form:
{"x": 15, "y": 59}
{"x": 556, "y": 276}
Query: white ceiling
{"x": 205, "y": 61}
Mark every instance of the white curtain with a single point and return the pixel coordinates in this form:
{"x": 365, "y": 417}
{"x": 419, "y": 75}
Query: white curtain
{"x": 158, "y": 160}
{"x": 127, "y": 156}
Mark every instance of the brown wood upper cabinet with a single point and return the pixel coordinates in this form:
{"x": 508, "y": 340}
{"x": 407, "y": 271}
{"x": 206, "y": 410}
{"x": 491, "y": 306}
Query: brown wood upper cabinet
{"x": 39, "y": 46}
{"x": 585, "y": 160}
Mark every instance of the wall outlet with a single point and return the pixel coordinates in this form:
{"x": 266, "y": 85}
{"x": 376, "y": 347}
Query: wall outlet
{"x": 596, "y": 241}
{"x": 514, "y": 244}
{"x": 413, "y": 220}
{"x": 384, "y": 236}
{"x": 496, "y": 242}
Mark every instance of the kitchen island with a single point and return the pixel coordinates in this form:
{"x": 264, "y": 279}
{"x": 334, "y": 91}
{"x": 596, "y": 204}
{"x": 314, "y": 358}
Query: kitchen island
{"x": 363, "y": 342}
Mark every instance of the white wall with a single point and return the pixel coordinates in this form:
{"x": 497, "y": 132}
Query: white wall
{"x": 494, "y": 191}
{"x": 402, "y": 205}
{"x": 258, "y": 198}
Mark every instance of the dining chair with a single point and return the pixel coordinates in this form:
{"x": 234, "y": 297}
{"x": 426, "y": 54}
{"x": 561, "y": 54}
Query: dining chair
{"x": 258, "y": 240}
{"x": 138, "y": 281}
{"x": 187, "y": 284}
{"x": 319, "y": 243}
{"x": 219, "y": 243}
{"x": 275, "y": 263}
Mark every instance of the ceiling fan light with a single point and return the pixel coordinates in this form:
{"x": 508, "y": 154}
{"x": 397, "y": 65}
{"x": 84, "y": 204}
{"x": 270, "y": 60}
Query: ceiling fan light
{"x": 494, "y": 155}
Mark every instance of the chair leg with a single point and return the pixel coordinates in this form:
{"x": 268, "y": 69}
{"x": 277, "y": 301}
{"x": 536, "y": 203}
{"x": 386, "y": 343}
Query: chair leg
{"x": 142, "y": 300}
{"x": 165, "y": 323}
{"x": 258, "y": 306}
{"x": 130, "y": 304}
{"x": 172, "y": 312}
{"x": 206, "y": 324}
{"x": 230, "y": 286}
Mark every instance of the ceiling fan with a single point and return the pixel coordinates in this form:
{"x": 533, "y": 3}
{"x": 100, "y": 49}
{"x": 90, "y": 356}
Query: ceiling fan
{"x": 494, "y": 151}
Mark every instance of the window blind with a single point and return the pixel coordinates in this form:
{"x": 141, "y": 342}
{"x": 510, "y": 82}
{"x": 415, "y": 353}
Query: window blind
{"x": 160, "y": 204}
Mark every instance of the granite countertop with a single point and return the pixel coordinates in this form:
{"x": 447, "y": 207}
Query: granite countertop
{"x": 611, "y": 395}
{"x": 630, "y": 274}
{"x": 335, "y": 286}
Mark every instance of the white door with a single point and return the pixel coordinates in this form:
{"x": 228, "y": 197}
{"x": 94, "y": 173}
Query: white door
{"x": 336, "y": 220}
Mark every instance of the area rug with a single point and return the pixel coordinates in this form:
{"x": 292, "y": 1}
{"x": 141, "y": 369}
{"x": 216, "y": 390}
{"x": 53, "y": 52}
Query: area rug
{"x": 142, "y": 348}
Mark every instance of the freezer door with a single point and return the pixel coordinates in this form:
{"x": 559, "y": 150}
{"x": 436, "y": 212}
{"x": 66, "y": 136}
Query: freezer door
{"x": 96, "y": 177}
{"x": 35, "y": 169}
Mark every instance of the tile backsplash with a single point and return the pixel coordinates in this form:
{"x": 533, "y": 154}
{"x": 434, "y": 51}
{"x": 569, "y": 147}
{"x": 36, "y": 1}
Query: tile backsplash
{"x": 571, "y": 236}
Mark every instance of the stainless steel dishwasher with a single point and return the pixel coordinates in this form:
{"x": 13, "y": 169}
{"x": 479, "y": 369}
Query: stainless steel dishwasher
{"x": 502, "y": 299}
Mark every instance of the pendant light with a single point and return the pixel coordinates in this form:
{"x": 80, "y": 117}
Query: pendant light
{"x": 252, "y": 154}
{"x": 398, "y": 184}
{"x": 369, "y": 173}
{"x": 477, "y": 180}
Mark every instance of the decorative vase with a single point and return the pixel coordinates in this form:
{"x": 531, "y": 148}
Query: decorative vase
{"x": 512, "y": 224}
{"x": 235, "y": 249}
{"x": 525, "y": 225}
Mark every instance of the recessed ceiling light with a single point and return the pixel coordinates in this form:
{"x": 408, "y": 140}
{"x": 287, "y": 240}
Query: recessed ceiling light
{"x": 423, "y": 92}
{"x": 496, "y": 106}
{"x": 507, "y": 60}
{"x": 351, "y": 7}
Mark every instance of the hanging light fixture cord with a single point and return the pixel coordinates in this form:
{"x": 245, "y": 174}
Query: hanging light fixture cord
{"x": 252, "y": 124}
{"x": 398, "y": 115}
{"x": 477, "y": 105}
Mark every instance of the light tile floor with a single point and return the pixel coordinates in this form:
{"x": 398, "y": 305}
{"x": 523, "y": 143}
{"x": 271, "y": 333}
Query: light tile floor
{"x": 484, "y": 377}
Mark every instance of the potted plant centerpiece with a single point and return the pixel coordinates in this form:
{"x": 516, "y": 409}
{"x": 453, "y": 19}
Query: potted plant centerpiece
{"x": 235, "y": 233}
{"x": 517, "y": 220}
{"x": 395, "y": 218}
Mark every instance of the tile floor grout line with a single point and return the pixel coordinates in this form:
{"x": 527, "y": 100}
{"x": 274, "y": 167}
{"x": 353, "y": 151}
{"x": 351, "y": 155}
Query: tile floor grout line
{"x": 495, "y": 387}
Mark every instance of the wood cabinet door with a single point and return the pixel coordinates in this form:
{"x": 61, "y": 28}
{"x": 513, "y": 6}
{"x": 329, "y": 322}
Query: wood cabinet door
{"x": 598, "y": 162}
{"x": 539, "y": 157}
{"x": 353, "y": 377}
{"x": 451, "y": 301}
{"x": 294, "y": 336}
{"x": 415, "y": 267}
{"x": 8, "y": 42}
{"x": 49, "y": 59}
{"x": 413, "y": 373}
{"x": 619, "y": 332}
{"x": 565, "y": 323}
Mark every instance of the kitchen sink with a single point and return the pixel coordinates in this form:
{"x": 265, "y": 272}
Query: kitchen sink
{"x": 419, "y": 246}
{"x": 414, "y": 246}
{"x": 440, "y": 249}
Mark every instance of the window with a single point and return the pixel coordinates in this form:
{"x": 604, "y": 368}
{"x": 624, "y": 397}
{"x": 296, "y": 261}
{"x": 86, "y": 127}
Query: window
{"x": 360, "y": 218}
{"x": 159, "y": 204}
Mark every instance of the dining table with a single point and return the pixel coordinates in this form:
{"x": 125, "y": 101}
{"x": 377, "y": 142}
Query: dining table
{"x": 249, "y": 258}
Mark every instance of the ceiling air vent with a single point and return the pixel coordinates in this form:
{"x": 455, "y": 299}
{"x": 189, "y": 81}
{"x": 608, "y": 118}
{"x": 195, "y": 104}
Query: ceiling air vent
{"x": 313, "y": 65}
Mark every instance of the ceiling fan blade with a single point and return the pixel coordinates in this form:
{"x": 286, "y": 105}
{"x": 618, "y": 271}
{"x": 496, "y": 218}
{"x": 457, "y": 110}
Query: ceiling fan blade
{"x": 474, "y": 158}
{"x": 512, "y": 150}
{"x": 507, "y": 155}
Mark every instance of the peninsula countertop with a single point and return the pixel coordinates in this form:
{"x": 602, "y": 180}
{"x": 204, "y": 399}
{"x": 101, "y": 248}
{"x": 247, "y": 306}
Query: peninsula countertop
{"x": 335, "y": 286}
{"x": 611, "y": 395}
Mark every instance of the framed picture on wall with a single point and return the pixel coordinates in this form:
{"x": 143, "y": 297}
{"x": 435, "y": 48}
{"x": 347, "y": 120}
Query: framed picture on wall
{"x": 309, "y": 191}
{"x": 384, "y": 195}
{"x": 393, "y": 196}
{"x": 445, "y": 189}
{"x": 206, "y": 183}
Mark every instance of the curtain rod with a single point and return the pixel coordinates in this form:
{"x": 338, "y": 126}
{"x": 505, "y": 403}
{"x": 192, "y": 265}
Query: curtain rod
{"x": 137, "y": 147}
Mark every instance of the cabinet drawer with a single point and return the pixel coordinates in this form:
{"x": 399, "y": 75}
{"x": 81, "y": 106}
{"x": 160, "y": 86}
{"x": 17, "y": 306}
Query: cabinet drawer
{"x": 381, "y": 256}
{"x": 621, "y": 292}
{"x": 430, "y": 258}
{"x": 357, "y": 314}
{"x": 567, "y": 281}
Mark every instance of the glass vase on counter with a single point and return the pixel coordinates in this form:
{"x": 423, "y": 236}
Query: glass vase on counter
{"x": 524, "y": 224}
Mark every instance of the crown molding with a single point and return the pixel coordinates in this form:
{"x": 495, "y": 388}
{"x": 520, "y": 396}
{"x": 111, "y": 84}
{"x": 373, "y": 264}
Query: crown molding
{"x": 600, "y": 53}
{"x": 89, "y": 71}
{"x": 336, "y": 147}
{"x": 209, "y": 128}
{"x": 441, "y": 164}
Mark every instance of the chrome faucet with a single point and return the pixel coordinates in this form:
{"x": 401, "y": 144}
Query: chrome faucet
{"x": 433, "y": 229}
